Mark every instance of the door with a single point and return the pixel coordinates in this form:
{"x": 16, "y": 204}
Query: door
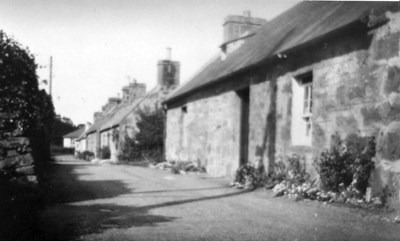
{"x": 244, "y": 96}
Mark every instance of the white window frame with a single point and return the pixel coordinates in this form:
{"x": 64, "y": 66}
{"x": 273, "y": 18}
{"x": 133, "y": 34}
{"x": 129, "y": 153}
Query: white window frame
{"x": 302, "y": 98}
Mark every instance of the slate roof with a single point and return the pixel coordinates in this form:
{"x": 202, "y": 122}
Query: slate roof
{"x": 303, "y": 23}
{"x": 119, "y": 114}
{"x": 116, "y": 115}
{"x": 96, "y": 125}
{"x": 75, "y": 134}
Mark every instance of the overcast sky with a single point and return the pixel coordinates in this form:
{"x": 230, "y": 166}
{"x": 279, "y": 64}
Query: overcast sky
{"x": 98, "y": 44}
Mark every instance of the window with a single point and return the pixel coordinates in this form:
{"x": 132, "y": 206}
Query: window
{"x": 302, "y": 103}
{"x": 307, "y": 109}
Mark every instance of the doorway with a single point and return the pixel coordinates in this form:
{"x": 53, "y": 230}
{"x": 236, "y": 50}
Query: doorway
{"x": 244, "y": 96}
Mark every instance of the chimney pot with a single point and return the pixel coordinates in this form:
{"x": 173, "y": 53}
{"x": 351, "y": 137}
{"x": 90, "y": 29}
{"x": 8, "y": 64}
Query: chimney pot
{"x": 168, "y": 56}
{"x": 247, "y": 14}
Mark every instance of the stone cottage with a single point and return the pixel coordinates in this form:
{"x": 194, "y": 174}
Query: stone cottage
{"x": 119, "y": 116}
{"x": 316, "y": 69}
{"x": 70, "y": 139}
{"x": 80, "y": 142}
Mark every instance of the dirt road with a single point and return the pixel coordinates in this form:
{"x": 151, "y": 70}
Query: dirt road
{"x": 115, "y": 202}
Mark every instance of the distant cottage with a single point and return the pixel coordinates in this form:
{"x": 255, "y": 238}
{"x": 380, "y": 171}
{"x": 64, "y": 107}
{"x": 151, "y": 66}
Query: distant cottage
{"x": 69, "y": 139}
{"x": 316, "y": 69}
{"x": 119, "y": 116}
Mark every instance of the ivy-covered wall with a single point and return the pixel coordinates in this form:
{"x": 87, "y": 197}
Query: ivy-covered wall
{"x": 26, "y": 114}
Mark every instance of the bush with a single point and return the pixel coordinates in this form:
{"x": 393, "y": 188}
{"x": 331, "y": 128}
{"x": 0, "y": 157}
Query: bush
{"x": 249, "y": 177}
{"x": 86, "y": 155}
{"x": 105, "y": 153}
{"x": 25, "y": 110}
{"x": 183, "y": 167}
{"x": 153, "y": 156}
{"x": 347, "y": 164}
{"x": 290, "y": 178}
{"x": 148, "y": 142}
{"x": 129, "y": 150}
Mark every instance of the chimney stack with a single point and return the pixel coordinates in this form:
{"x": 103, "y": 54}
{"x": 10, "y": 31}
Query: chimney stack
{"x": 133, "y": 91}
{"x": 235, "y": 26}
{"x": 168, "y": 54}
{"x": 97, "y": 116}
{"x": 136, "y": 90}
{"x": 247, "y": 14}
{"x": 168, "y": 72}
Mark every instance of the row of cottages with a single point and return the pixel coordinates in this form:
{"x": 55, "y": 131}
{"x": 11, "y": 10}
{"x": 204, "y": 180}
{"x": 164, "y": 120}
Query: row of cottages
{"x": 119, "y": 116}
{"x": 316, "y": 69}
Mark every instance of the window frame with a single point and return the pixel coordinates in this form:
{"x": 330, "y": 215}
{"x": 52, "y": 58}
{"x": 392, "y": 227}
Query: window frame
{"x": 302, "y": 116}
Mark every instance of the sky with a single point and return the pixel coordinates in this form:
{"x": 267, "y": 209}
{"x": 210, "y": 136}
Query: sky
{"x": 98, "y": 46}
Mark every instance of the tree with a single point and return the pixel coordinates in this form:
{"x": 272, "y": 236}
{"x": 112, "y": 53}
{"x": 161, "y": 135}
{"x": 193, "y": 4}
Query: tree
{"x": 148, "y": 142}
{"x": 61, "y": 126}
{"x": 151, "y": 127}
{"x": 19, "y": 90}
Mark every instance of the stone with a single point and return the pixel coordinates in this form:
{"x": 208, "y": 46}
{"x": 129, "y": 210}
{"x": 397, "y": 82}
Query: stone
{"x": 27, "y": 170}
{"x": 368, "y": 195}
{"x": 25, "y": 160}
{"x": 377, "y": 201}
{"x": 312, "y": 191}
{"x": 32, "y": 179}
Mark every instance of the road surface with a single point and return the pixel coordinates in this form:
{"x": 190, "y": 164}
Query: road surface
{"x": 120, "y": 203}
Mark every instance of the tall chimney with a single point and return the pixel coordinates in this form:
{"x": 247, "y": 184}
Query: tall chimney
{"x": 168, "y": 54}
{"x": 136, "y": 90}
{"x": 237, "y": 25}
{"x": 168, "y": 71}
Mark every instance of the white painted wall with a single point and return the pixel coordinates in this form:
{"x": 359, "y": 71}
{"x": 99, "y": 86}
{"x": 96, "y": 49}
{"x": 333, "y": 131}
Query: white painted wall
{"x": 68, "y": 143}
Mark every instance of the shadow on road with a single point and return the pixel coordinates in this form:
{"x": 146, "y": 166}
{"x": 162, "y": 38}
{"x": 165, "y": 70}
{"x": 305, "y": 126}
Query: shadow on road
{"x": 180, "y": 202}
{"x": 181, "y": 190}
{"x": 68, "y": 222}
{"x": 64, "y": 185}
{"x": 64, "y": 220}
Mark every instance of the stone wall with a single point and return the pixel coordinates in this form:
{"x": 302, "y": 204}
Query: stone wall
{"x": 110, "y": 138}
{"x": 356, "y": 90}
{"x": 206, "y": 131}
{"x": 24, "y": 163}
{"x": 91, "y": 142}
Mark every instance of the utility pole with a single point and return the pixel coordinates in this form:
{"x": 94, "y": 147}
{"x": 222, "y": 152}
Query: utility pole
{"x": 51, "y": 75}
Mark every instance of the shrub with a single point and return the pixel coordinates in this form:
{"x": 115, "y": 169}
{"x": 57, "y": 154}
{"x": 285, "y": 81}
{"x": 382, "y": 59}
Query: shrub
{"x": 154, "y": 156}
{"x": 288, "y": 168}
{"x": 249, "y": 177}
{"x": 105, "y": 152}
{"x": 148, "y": 142}
{"x": 86, "y": 155}
{"x": 129, "y": 150}
{"x": 290, "y": 178}
{"x": 347, "y": 164}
